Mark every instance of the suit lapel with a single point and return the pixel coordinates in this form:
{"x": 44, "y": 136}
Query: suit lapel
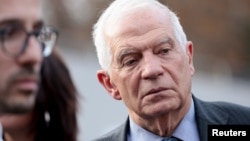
{"x": 120, "y": 133}
{"x": 208, "y": 114}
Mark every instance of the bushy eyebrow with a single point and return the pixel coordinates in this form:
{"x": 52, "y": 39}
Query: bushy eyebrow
{"x": 18, "y": 22}
{"x": 38, "y": 25}
{"x": 9, "y": 22}
{"x": 166, "y": 41}
{"x": 128, "y": 50}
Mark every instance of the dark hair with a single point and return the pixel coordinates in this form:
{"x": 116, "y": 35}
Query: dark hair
{"x": 58, "y": 97}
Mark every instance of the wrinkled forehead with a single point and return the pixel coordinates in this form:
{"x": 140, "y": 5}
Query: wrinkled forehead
{"x": 136, "y": 19}
{"x": 27, "y": 11}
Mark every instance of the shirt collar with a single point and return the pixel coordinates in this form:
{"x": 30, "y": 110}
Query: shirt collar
{"x": 187, "y": 129}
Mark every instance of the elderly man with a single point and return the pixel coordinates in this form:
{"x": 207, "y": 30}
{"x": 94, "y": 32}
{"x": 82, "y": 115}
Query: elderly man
{"x": 147, "y": 62}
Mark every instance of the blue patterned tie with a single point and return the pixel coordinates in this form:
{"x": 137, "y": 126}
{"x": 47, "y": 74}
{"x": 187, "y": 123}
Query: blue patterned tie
{"x": 171, "y": 139}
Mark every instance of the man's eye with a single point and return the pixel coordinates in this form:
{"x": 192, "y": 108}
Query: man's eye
{"x": 9, "y": 32}
{"x": 165, "y": 51}
{"x": 1, "y": 32}
{"x": 129, "y": 61}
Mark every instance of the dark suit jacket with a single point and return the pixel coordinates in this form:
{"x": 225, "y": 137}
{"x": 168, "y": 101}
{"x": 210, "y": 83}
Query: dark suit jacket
{"x": 206, "y": 113}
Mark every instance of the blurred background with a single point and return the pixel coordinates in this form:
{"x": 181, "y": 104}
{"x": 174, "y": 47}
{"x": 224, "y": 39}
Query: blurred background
{"x": 219, "y": 30}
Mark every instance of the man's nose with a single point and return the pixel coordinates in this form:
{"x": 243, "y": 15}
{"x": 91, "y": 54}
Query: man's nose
{"x": 152, "y": 66}
{"x": 32, "y": 54}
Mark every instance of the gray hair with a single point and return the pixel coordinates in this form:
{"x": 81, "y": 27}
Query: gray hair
{"x": 117, "y": 7}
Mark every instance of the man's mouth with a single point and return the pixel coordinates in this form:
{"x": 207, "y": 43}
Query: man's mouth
{"x": 155, "y": 91}
{"x": 27, "y": 84}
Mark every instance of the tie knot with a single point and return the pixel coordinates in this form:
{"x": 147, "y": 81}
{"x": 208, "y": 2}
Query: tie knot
{"x": 171, "y": 139}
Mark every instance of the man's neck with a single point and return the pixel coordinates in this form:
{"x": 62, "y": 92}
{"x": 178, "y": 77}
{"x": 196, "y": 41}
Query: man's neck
{"x": 163, "y": 125}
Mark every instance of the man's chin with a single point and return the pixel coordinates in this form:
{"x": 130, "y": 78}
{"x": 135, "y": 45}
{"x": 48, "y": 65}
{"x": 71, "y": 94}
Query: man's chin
{"x": 22, "y": 103}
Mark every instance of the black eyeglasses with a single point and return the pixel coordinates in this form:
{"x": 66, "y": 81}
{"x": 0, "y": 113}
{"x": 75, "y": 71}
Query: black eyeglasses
{"x": 14, "y": 39}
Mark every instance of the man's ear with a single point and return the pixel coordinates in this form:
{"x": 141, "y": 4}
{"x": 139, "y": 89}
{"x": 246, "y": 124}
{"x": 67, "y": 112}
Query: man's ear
{"x": 105, "y": 80}
{"x": 190, "y": 52}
